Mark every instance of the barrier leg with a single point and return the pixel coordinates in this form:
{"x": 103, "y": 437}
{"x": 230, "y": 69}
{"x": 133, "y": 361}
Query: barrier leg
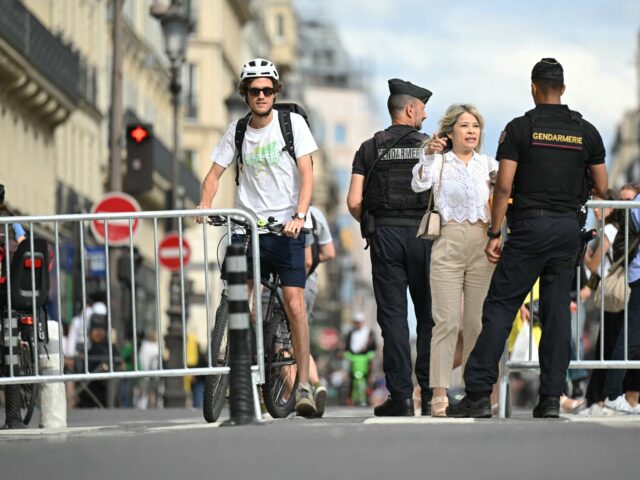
{"x": 504, "y": 410}
{"x": 241, "y": 385}
{"x": 53, "y": 397}
{"x": 256, "y": 395}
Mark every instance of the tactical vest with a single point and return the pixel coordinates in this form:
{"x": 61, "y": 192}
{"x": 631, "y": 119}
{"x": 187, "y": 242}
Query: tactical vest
{"x": 389, "y": 193}
{"x": 553, "y": 173}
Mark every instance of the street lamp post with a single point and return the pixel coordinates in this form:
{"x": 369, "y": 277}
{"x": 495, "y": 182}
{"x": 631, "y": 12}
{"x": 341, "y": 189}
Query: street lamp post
{"x": 175, "y": 29}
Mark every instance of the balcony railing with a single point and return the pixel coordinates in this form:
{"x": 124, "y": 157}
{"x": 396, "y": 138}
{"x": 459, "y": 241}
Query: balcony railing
{"x": 47, "y": 53}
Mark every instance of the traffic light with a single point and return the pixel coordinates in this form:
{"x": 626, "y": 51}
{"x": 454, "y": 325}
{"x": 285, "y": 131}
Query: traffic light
{"x": 140, "y": 147}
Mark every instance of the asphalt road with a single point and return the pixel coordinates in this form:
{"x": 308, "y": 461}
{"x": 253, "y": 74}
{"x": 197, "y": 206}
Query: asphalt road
{"x": 347, "y": 443}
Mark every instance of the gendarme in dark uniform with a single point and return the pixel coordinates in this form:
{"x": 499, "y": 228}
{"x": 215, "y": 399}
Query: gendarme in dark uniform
{"x": 391, "y": 213}
{"x": 545, "y": 157}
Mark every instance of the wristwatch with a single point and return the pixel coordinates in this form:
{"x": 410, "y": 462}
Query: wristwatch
{"x": 492, "y": 235}
{"x": 299, "y": 216}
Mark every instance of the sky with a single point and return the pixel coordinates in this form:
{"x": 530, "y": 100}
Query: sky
{"x": 483, "y": 52}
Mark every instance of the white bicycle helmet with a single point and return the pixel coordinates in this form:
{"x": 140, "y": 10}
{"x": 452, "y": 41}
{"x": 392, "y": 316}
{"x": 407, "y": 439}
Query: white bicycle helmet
{"x": 259, "y": 67}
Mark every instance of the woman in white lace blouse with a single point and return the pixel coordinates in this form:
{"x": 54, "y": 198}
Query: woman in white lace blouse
{"x": 459, "y": 266}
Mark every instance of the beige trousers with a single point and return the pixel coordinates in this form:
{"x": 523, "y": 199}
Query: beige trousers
{"x": 459, "y": 267}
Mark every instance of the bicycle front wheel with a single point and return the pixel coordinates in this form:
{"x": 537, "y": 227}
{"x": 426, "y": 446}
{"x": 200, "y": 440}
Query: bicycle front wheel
{"x": 216, "y": 386}
{"x": 281, "y": 373}
{"x": 28, "y": 391}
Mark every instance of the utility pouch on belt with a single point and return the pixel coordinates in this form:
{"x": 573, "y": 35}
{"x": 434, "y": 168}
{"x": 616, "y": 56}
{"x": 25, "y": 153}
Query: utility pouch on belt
{"x": 367, "y": 224}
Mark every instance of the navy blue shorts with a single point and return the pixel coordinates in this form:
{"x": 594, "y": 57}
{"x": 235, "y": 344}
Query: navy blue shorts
{"x": 278, "y": 254}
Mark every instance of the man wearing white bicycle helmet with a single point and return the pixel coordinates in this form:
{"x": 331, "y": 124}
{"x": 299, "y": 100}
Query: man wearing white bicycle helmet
{"x": 275, "y": 179}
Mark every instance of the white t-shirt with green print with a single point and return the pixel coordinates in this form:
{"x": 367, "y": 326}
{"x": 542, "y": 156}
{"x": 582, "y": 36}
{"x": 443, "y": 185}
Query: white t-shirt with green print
{"x": 269, "y": 183}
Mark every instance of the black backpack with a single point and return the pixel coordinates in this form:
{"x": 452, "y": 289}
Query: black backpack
{"x": 284, "y": 118}
{"x": 315, "y": 246}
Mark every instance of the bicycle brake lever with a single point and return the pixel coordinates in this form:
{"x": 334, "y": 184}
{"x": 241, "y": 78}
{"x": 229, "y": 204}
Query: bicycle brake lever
{"x": 216, "y": 220}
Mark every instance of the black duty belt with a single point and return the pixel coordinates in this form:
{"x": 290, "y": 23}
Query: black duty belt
{"x": 397, "y": 222}
{"x": 540, "y": 212}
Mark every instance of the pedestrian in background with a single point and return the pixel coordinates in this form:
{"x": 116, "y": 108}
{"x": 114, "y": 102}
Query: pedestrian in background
{"x": 463, "y": 179}
{"x": 613, "y": 321}
{"x": 318, "y": 248}
{"x": 614, "y": 386}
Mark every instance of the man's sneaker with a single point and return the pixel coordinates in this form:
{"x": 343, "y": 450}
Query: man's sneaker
{"x": 547, "y": 407}
{"x": 320, "y": 399}
{"x": 619, "y": 405}
{"x": 466, "y": 407}
{"x": 305, "y": 406}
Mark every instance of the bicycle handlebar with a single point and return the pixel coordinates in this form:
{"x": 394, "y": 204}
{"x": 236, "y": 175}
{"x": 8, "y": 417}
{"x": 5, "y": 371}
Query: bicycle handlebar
{"x": 272, "y": 225}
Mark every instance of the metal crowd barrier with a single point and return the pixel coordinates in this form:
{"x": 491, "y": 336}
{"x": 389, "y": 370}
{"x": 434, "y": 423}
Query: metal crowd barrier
{"x": 54, "y": 222}
{"x": 507, "y": 365}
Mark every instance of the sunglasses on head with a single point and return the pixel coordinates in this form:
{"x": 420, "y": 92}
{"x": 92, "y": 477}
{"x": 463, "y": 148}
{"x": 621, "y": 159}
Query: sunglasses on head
{"x": 255, "y": 92}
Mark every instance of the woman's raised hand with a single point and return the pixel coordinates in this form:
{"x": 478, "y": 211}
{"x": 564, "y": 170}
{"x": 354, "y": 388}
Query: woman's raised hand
{"x": 436, "y": 144}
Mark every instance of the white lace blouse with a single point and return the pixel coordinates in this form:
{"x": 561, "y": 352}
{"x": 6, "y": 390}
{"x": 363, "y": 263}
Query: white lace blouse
{"x": 465, "y": 190}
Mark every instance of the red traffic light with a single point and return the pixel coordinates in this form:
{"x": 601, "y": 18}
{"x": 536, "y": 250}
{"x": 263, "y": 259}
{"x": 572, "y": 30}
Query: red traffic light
{"x": 139, "y": 134}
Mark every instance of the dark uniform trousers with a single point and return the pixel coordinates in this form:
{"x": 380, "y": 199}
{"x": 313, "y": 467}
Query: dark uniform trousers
{"x": 544, "y": 247}
{"x": 398, "y": 260}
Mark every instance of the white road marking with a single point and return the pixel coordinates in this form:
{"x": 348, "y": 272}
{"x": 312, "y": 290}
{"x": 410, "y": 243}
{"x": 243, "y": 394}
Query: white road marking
{"x": 617, "y": 421}
{"x": 34, "y": 432}
{"x": 416, "y": 420}
{"x": 193, "y": 426}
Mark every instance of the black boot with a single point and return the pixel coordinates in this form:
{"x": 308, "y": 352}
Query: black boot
{"x": 478, "y": 408}
{"x": 12, "y": 407}
{"x": 547, "y": 407}
{"x": 395, "y": 408}
{"x": 425, "y": 408}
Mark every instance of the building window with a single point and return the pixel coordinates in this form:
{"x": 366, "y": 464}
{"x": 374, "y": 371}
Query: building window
{"x": 190, "y": 89}
{"x": 280, "y": 26}
{"x": 192, "y": 9}
{"x": 340, "y": 135}
{"x": 190, "y": 159}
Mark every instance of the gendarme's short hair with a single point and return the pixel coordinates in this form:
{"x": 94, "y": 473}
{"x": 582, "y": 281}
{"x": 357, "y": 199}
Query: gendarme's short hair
{"x": 548, "y": 69}
{"x": 402, "y": 87}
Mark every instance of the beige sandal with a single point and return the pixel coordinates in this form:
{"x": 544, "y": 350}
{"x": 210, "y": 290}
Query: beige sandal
{"x": 439, "y": 406}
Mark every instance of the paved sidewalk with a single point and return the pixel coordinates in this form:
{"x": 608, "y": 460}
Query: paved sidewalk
{"x": 349, "y": 443}
{"x": 124, "y": 421}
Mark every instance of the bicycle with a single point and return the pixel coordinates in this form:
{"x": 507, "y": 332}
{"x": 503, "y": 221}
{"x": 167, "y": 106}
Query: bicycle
{"x": 280, "y": 364}
{"x": 20, "y": 319}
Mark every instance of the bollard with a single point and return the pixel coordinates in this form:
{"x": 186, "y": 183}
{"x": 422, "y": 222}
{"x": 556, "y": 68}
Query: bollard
{"x": 240, "y": 380}
{"x": 53, "y": 398}
{"x": 7, "y": 348}
{"x": 11, "y": 392}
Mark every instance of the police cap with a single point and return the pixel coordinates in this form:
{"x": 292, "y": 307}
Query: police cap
{"x": 402, "y": 87}
{"x": 548, "y": 69}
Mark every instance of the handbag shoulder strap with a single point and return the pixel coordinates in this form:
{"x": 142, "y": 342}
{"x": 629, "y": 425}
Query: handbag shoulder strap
{"x": 617, "y": 264}
{"x": 436, "y": 201}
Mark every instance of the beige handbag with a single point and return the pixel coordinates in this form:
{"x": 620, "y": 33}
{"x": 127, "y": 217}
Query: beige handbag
{"x": 430, "y": 224}
{"x": 614, "y": 285}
